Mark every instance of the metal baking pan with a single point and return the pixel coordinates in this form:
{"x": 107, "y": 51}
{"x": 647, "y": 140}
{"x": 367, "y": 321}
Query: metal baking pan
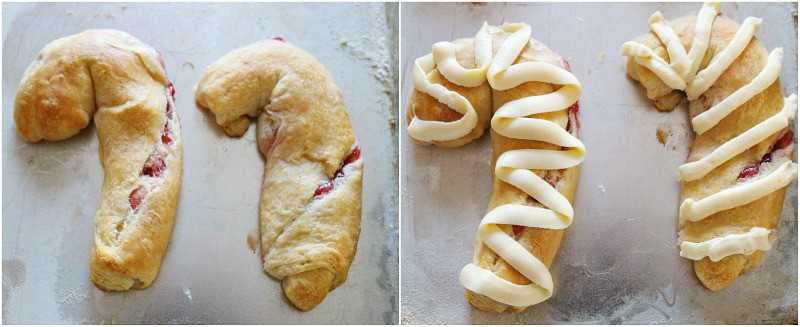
{"x": 209, "y": 275}
{"x": 618, "y": 262}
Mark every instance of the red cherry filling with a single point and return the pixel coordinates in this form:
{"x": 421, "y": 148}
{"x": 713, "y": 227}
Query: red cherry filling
{"x": 517, "y": 231}
{"x": 565, "y": 64}
{"x": 136, "y": 197}
{"x": 755, "y": 168}
{"x": 328, "y": 186}
{"x": 784, "y": 141}
{"x": 166, "y": 137}
{"x": 572, "y": 113}
{"x": 154, "y": 166}
{"x": 171, "y": 90}
{"x": 278, "y": 38}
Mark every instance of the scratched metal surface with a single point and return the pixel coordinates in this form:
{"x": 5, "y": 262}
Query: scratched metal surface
{"x": 209, "y": 275}
{"x": 618, "y": 262}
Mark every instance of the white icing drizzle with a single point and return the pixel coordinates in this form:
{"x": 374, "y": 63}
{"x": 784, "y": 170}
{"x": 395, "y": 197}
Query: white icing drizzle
{"x": 711, "y": 117}
{"x": 739, "y": 195}
{"x": 514, "y": 167}
{"x": 678, "y": 76}
{"x": 444, "y": 59}
{"x": 697, "y": 169}
{"x": 724, "y": 59}
{"x": 716, "y": 249}
{"x": 428, "y": 130}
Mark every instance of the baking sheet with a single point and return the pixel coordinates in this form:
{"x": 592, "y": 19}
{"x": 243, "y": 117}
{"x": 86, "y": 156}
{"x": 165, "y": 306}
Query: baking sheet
{"x": 209, "y": 275}
{"x": 618, "y": 262}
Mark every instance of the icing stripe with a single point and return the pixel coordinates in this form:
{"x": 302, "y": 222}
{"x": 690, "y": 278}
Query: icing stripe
{"x": 719, "y": 63}
{"x": 679, "y": 60}
{"x": 697, "y": 169}
{"x": 702, "y": 34}
{"x": 757, "y": 239}
{"x": 426, "y": 130}
{"x": 645, "y": 56}
{"x": 514, "y": 167}
{"x": 740, "y": 195}
{"x": 445, "y": 54}
{"x": 711, "y": 117}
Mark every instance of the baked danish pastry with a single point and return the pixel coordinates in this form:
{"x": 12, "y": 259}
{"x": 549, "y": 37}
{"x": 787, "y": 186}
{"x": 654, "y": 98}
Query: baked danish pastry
{"x": 120, "y": 82}
{"x": 534, "y": 129}
{"x": 735, "y": 178}
{"x": 311, "y": 196}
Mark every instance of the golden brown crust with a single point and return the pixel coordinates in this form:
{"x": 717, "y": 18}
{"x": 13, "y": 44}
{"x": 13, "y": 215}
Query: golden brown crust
{"x": 124, "y": 80}
{"x": 763, "y": 212}
{"x": 305, "y": 134}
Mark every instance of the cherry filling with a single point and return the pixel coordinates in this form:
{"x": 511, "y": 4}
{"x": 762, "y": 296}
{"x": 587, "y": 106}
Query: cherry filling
{"x": 136, "y": 197}
{"x": 155, "y": 164}
{"x": 328, "y": 186}
{"x": 278, "y": 38}
{"x": 755, "y": 168}
{"x": 517, "y": 230}
{"x": 565, "y": 64}
{"x": 572, "y": 113}
{"x": 171, "y": 92}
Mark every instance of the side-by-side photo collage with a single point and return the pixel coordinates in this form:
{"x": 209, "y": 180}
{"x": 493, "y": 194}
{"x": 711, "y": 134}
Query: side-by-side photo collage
{"x": 399, "y": 163}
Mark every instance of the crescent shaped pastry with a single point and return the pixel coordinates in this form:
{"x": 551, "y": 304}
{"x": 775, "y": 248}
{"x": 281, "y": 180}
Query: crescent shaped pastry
{"x": 534, "y": 127}
{"x": 734, "y": 181}
{"x": 311, "y": 196}
{"x": 120, "y": 82}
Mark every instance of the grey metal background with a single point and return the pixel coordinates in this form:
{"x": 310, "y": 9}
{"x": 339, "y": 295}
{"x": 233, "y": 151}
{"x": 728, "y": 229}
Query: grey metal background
{"x": 618, "y": 262}
{"x": 51, "y": 190}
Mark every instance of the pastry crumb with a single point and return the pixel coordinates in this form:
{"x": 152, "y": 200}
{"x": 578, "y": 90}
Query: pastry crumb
{"x": 602, "y": 188}
{"x": 110, "y": 16}
{"x": 477, "y": 4}
{"x": 342, "y": 41}
{"x": 579, "y": 18}
{"x": 663, "y": 132}
{"x": 590, "y": 71}
{"x": 70, "y": 12}
{"x": 252, "y": 241}
{"x": 188, "y": 63}
{"x": 602, "y": 58}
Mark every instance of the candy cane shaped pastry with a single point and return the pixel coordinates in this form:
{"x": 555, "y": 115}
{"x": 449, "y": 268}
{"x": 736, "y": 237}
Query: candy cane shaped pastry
{"x": 120, "y": 82}
{"x": 735, "y": 178}
{"x": 311, "y": 196}
{"x": 536, "y": 158}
